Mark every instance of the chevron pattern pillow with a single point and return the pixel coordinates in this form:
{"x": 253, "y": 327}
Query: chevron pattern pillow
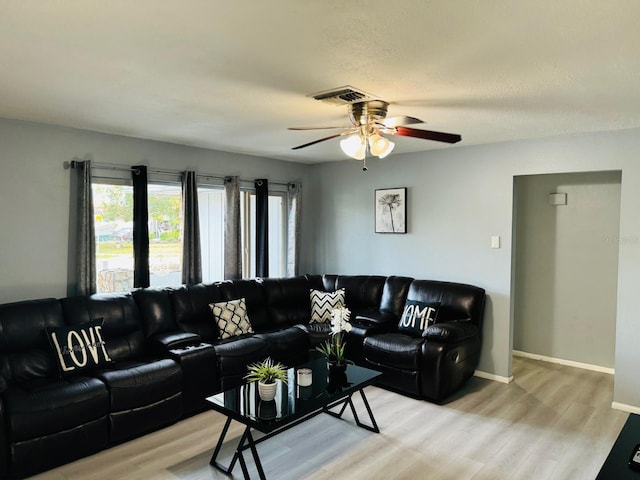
{"x": 322, "y": 303}
{"x": 231, "y": 318}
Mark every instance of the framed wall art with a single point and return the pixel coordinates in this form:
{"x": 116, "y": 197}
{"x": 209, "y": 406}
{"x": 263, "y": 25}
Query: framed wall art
{"x": 391, "y": 210}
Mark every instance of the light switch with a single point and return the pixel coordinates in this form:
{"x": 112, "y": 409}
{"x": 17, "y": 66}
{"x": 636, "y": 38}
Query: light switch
{"x": 495, "y": 241}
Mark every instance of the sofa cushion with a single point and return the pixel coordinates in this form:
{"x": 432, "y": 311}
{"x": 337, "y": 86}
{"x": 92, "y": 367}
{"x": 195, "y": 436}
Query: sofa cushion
{"x": 121, "y": 327}
{"x": 231, "y": 318}
{"x": 253, "y": 293}
{"x": 45, "y": 406}
{"x": 78, "y": 348}
{"x": 234, "y": 354}
{"x": 323, "y": 303}
{"x": 417, "y": 317}
{"x": 134, "y": 384}
{"x": 24, "y": 350}
{"x": 289, "y": 346}
{"x": 394, "y": 350}
{"x": 288, "y": 301}
{"x": 193, "y": 313}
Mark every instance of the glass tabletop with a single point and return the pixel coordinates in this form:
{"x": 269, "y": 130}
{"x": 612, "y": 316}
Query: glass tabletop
{"x": 292, "y": 401}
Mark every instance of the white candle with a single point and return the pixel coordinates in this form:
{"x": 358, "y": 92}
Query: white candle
{"x": 304, "y": 377}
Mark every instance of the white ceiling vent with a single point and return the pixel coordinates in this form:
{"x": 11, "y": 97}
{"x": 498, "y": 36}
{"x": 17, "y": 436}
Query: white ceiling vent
{"x": 343, "y": 96}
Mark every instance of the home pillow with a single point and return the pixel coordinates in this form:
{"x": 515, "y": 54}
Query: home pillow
{"x": 322, "y": 303}
{"x": 417, "y": 316}
{"x": 231, "y": 318}
{"x": 78, "y": 348}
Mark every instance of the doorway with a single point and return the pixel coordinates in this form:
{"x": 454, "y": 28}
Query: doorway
{"x": 566, "y": 232}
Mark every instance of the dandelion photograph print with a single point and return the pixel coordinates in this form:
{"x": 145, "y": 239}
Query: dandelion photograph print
{"x": 391, "y": 210}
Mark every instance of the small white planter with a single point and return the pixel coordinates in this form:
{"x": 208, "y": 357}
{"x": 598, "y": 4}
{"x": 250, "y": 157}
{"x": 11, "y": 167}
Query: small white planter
{"x": 267, "y": 391}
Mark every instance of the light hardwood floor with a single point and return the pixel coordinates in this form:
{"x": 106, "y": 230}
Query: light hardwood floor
{"x": 552, "y": 422}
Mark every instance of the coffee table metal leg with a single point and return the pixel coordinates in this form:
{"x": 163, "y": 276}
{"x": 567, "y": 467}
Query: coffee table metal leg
{"x": 246, "y": 441}
{"x": 237, "y": 454}
{"x": 374, "y": 428}
{"x": 213, "y": 462}
{"x": 256, "y": 458}
{"x": 347, "y": 402}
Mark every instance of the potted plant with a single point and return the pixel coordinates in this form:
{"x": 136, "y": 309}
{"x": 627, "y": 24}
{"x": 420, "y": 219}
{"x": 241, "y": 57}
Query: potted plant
{"x": 266, "y": 373}
{"x": 334, "y": 348}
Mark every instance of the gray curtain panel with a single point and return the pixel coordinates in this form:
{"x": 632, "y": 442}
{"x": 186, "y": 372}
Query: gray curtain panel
{"x": 86, "y": 239}
{"x": 191, "y": 254}
{"x": 232, "y": 233}
{"x": 294, "y": 197}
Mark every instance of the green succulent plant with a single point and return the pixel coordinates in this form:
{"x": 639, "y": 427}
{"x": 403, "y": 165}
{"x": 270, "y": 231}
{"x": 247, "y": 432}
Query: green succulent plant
{"x": 266, "y": 371}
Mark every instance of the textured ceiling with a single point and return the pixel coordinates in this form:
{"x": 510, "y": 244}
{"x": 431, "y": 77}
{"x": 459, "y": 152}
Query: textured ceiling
{"x": 233, "y": 76}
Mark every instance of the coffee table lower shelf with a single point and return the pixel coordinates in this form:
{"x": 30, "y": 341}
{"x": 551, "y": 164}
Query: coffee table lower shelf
{"x": 247, "y": 442}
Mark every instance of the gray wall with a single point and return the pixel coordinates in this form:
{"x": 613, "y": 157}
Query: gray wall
{"x": 34, "y": 194}
{"x": 567, "y": 266}
{"x": 458, "y": 199}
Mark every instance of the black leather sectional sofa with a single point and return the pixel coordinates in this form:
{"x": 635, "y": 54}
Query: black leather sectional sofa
{"x": 166, "y": 357}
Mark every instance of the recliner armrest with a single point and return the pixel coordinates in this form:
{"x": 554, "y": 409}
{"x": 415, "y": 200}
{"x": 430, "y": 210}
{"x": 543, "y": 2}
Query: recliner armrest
{"x": 375, "y": 318}
{"x": 170, "y": 340}
{"x": 451, "y": 332}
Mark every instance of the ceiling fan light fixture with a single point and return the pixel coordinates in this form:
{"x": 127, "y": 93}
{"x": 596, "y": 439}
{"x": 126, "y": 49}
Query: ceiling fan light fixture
{"x": 379, "y": 145}
{"x": 390, "y": 147}
{"x": 354, "y": 146}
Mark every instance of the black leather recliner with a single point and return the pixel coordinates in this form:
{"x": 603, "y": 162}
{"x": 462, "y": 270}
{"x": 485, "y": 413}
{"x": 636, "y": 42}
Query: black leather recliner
{"x": 46, "y": 420}
{"x": 436, "y": 365}
{"x": 145, "y": 390}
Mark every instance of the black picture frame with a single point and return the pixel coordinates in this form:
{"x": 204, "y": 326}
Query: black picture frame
{"x": 390, "y": 206}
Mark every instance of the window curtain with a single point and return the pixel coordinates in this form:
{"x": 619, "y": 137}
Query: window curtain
{"x": 294, "y": 195}
{"x": 140, "y": 227}
{"x": 232, "y": 232}
{"x": 85, "y": 253}
{"x": 191, "y": 254}
{"x": 262, "y": 227}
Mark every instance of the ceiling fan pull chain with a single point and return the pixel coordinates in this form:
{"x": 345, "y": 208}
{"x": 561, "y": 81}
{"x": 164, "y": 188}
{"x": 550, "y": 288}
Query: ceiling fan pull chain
{"x": 364, "y": 164}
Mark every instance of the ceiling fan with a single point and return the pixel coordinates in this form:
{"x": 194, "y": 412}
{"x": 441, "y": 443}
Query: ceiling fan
{"x": 369, "y": 125}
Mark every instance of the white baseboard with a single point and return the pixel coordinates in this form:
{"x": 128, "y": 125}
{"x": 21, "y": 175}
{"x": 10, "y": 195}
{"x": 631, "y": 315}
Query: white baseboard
{"x": 491, "y": 376}
{"x": 568, "y": 363}
{"x": 625, "y": 408}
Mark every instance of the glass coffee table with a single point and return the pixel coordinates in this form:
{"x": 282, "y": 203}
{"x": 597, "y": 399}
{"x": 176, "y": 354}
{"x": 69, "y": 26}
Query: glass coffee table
{"x": 292, "y": 405}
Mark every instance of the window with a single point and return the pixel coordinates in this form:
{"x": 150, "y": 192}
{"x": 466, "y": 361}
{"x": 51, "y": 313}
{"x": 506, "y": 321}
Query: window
{"x": 165, "y": 234}
{"x": 113, "y": 209}
{"x": 211, "y": 210}
{"x": 277, "y": 233}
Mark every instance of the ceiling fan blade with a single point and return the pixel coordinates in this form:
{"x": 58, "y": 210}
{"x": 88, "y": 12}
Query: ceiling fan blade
{"x": 317, "y": 141}
{"x": 428, "y": 135}
{"x": 313, "y": 128}
{"x": 400, "y": 120}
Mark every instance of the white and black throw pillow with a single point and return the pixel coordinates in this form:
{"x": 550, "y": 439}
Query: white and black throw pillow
{"x": 417, "y": 316}
{"x": 78, "y": 348}
{"x": 231, "y": 318}
{"x": 322, "y": 303}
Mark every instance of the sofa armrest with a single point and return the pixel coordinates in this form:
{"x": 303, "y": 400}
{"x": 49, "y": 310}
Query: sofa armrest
{"x": 171, "y": 340}
{"x": 451, "y": 332}
{"x": 375, "y": 318}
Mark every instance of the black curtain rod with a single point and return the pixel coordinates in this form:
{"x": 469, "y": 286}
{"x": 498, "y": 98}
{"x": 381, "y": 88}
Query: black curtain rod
{"x": 126, "y": 168}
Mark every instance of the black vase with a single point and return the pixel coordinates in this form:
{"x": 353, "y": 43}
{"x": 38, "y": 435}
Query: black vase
{"x": 337, "y": 377}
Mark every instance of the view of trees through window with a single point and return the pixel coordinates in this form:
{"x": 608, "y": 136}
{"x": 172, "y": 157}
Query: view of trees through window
{"x": 113, "y": 208}
{"x": 277, "y": 234}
